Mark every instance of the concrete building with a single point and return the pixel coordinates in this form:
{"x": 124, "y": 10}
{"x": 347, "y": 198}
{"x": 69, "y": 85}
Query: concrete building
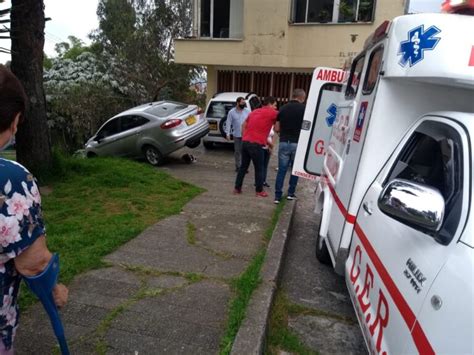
{"x": 272, "y": 46}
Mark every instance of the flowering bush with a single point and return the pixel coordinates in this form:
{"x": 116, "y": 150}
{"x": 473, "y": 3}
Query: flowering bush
{"x": 82, "y": 94}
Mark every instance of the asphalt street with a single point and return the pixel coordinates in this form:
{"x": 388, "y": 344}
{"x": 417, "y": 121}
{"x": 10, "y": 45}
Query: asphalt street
{"x": 330, "y": 325}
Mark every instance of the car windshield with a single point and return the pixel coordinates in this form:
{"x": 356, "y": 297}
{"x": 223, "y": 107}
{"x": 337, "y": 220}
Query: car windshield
{"x": 165, "y": 109}
{"x": 219, "y": 109}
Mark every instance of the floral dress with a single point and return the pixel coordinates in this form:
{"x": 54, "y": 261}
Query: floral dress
{"x": 21, "y": 223}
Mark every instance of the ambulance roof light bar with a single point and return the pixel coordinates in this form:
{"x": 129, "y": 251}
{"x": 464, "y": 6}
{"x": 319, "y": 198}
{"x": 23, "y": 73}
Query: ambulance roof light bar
{"x": 380, "y": 33}
{"x": 465, "y": 7}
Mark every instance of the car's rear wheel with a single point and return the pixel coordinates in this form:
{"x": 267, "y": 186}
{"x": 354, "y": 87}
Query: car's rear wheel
{"x": 322, "y": 253}
{"x": 193, "y": 144}
{"x": 91, "y": 155}
{"x": 208, "y": 145}
{"x": 152, "y": 155}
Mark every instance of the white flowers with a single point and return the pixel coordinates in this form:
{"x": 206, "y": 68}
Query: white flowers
{"x": 19, "y": 206}
{"x": 9, "y": 230}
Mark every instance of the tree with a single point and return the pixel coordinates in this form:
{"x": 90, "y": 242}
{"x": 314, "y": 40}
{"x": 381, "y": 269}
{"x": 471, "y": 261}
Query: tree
{"x": 140, "y": 35}
{"x": 27, "y": 32}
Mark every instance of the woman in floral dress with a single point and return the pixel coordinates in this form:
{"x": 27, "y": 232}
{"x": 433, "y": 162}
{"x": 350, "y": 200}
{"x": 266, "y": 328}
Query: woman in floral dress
{"x": 23, "y": 249}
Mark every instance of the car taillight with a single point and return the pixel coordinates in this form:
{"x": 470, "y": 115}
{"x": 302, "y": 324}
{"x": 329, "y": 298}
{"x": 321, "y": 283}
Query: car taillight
{"x": 200, "y": 111}
{"x": 171, "y": 123}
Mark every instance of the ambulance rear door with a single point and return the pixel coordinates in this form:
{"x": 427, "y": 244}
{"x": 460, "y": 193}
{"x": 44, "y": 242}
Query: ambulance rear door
{"x": 319, "y": 117}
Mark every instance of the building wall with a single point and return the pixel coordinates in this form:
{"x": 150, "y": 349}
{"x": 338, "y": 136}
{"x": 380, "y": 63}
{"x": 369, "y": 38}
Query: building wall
{"x": 270, "y": 41}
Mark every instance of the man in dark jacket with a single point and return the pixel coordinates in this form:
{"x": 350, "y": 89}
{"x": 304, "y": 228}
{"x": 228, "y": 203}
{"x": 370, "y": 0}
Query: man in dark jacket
{"x": 288, "y": 125}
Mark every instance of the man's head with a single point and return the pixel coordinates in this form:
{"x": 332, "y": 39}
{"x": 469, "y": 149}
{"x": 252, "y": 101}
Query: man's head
{"x": 270, "y": 101}
{"x": 12, "y": 104}
{"x": 241, "y": 102}
{"x": 299, "y": 95}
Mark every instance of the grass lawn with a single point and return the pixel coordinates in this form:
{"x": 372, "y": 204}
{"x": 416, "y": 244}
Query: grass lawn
{"x": 96, "y": 205}
{"x": 8, "y": 154}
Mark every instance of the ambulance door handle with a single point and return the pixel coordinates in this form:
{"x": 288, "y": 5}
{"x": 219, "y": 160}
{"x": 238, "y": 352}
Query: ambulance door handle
{"x": 367, "y": 208}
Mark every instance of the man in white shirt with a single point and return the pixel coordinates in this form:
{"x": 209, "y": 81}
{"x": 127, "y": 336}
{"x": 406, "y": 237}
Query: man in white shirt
{"x": 235, "y": 119}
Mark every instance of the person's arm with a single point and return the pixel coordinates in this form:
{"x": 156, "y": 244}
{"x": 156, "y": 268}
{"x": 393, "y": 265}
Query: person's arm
{"x": 34, "y": 260}
{"x": 244, "y": 126}
{"x": 276, "y": 127}
{"x": 228, "y": 125}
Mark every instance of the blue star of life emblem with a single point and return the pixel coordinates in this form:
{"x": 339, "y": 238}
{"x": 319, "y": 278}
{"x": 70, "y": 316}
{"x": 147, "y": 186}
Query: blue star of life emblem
{"x": 418, "y": 42}
{"x": 332, "y": 111}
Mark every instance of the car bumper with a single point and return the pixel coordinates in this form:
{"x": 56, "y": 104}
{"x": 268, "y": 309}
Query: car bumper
{"x": 201, "y": 130}
{"x": 216, "y": 137}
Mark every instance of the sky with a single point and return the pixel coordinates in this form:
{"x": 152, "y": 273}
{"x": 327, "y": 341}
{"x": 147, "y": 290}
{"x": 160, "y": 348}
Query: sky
{"x": 78, "y": 18}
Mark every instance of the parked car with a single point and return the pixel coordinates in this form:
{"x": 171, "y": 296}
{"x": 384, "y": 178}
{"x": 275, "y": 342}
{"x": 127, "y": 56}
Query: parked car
{"x": 216, "y": 114}
{"x": 152, "y": 131}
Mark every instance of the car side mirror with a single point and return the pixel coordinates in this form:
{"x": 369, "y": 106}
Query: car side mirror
{"x": 414, "y": 204}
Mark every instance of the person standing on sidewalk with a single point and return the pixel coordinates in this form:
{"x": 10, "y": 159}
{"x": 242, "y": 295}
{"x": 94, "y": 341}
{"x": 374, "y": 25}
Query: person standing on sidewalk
{"x": 235, "y": 119}
{"x": 22, "y": 232}
{"x": 255, "y": 132}
{"x": 288, "y": 125}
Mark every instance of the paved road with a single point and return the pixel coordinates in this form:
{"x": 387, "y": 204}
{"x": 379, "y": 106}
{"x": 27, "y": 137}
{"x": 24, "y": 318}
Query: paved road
{"x": 316, "y": 287}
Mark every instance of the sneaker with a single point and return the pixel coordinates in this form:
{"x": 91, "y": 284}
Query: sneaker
{"x": 266, "y": 184}
{"x": 276, "y": 202}
{"x": 291, "y": 197}
{"x": 261, "y": 194}
{"x": 237, "y": 191}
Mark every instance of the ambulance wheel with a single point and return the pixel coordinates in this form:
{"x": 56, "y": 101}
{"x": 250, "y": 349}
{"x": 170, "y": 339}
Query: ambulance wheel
{"x": 322, "y": 253}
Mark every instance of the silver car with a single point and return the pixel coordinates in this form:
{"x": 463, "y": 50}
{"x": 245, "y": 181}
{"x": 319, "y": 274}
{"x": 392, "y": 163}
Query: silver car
{"x": 152, "y": 131}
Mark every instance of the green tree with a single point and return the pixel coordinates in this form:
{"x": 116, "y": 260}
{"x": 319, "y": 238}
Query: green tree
{"x": 140, "y": 34}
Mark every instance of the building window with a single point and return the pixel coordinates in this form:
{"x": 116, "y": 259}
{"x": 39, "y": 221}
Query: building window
{"x": 332, "y": 11}
{"x": 220, "y": 18}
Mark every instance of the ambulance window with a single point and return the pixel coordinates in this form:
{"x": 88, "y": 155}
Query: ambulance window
{"x": 433, "y": 156}
{"x": 373, "y": 70}
{"x": 354, "y": 78}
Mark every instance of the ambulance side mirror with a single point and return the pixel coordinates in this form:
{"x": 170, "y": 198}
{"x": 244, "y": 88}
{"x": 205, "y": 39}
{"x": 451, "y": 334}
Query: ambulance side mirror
{"x": 417, "y": 205}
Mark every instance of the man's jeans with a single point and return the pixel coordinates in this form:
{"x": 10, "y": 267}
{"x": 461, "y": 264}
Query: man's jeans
{"x": 238, "y": 152}
{"x": 251, "y": 152}
{"x": 286, "y": 157}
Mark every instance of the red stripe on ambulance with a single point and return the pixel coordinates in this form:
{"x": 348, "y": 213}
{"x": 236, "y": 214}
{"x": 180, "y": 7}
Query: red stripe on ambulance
{"x": 381, "y": 319}
{"x": 471, "y": 60}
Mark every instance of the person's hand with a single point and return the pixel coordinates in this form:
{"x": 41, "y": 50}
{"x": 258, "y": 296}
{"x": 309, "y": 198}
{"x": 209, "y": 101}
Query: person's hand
{"x": 227, "y": 137}
{"x": 60, "y": 295}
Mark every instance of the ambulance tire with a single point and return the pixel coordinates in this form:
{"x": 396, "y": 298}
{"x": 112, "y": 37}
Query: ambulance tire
{"x": 322, "y": 253}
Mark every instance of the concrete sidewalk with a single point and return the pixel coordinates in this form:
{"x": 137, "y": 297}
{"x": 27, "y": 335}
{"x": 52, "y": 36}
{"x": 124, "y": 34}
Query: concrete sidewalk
{"x": 163, "y": 293}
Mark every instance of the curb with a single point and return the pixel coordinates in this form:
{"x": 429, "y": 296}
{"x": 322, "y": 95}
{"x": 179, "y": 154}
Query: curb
{"x": 251, "y": 336}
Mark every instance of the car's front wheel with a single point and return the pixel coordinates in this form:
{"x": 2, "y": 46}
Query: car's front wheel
{"x": 152, "y": 155}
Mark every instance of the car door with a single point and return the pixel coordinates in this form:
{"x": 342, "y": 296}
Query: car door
{"x": 395, "y": 253}
{"x": 130, "y": 132}
{"x": 106, "y": 137}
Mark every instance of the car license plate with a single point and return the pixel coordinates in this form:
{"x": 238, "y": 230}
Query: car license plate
{"x": 213, "y": 126}
{"x": 190, "y": 120}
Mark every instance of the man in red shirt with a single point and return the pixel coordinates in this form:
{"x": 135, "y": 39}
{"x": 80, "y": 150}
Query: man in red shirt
{"x": 255, "y": 132}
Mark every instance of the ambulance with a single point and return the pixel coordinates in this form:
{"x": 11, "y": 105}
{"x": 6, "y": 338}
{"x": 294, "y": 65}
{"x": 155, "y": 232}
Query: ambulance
{"x": 389, "y": 144}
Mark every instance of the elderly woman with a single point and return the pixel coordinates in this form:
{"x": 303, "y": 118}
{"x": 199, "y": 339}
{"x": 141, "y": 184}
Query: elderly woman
{"x": 23, "y": 249}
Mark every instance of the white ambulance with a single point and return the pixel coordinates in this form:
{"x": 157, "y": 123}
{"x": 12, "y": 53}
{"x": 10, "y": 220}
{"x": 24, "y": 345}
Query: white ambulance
{"x": 390, "y": 145}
